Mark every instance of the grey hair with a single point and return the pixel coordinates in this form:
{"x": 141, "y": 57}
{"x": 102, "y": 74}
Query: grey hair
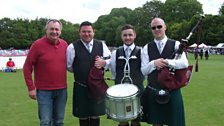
{"x": 54, "y": 21}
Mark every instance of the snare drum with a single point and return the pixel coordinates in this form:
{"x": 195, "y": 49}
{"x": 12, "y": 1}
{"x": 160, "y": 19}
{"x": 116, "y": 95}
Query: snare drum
{"x": 122, "y": 102}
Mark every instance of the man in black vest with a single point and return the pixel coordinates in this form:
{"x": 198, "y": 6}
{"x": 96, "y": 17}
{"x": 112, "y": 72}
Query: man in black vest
{"x": 82, "y": 55}
{"x": 128, "y": 36}
{"x": 155, "y": 56}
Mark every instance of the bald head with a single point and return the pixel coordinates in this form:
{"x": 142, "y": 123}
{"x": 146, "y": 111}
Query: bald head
{"x": 158, "y": 20}
{"x": 158, "y": 28}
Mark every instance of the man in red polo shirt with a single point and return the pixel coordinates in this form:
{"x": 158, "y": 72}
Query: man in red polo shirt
{"x": 10, "y": 65}
{"x": 47, "y": 59}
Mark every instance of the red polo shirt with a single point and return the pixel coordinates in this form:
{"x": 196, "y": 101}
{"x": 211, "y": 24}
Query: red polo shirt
{"x": 49, "y": 64}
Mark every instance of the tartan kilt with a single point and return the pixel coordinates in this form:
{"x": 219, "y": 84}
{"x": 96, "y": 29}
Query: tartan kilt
{"x": 84, "y": 105}
{"x": 171, "y": 114}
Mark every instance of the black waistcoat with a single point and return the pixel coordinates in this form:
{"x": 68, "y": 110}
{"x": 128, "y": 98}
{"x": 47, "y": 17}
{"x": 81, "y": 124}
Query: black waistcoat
{"x": 84, "y": 60}
{"x": 153, "y": 53}
{"x": 135, "y": 66}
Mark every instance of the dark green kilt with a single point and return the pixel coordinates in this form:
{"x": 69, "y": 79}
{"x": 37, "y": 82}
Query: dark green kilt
{"x": 84, "y": 105}
{"x": 171, "y": 114}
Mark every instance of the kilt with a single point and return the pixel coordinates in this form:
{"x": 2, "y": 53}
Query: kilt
{"x": 85, "y": 106}
{"x": 171, "y": 114}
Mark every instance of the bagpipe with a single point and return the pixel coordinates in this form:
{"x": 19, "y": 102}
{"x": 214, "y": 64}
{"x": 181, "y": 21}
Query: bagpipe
{"x": 170, "y": 78}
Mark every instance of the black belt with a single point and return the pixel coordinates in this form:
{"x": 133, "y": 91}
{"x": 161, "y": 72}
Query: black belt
{"x": 81, "y": 84}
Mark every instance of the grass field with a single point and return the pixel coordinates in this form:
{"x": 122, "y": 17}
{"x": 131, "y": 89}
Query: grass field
{"x": 203, "y": 98}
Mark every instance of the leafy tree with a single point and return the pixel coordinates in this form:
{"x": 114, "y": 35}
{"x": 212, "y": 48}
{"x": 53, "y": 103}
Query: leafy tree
{"x": 144, "y": 15}
{"x": 180, "y": 16}
{"x": 180, "y": 10}
{"x": 143, "y": 18}
{"x": 221, "y": 11}
{"x": 178, "y": 31}
{"x": 69, "y": 31}
{"x": 6, "y": 32}
{"x": 213, "y": 29}
{"x": 108, "y": 26}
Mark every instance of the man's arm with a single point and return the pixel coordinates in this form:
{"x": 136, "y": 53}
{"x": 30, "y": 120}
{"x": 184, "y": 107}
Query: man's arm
{"x": 70, "y": 57}
{"x": 146, "y": 66}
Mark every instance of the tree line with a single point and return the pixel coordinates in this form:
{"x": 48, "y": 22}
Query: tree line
{"x": 180, "y": 16}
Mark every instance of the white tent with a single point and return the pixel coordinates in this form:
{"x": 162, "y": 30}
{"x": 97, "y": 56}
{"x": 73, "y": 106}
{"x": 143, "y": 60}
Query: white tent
{"x": 220, "y": 45}
{"x": 202, "y": 45}
{"x": 193, "y": 45}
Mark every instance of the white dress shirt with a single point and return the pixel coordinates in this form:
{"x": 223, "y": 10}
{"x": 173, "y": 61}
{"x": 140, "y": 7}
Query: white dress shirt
{"x": 148, "y": 66}
{"x": 71, "y": 54}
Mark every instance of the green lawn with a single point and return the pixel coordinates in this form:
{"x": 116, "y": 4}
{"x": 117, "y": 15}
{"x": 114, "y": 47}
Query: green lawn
{"x": 203, "y": 98}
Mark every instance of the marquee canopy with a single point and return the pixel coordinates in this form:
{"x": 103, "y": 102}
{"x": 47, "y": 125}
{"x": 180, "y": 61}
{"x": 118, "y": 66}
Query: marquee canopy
{"x": 202, "y": 45}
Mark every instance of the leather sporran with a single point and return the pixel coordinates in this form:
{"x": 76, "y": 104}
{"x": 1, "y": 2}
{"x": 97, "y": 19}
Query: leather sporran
{"x": 97, "y": 86}
{"x": 174, "y": 80}
{"x": 162, "y": 96}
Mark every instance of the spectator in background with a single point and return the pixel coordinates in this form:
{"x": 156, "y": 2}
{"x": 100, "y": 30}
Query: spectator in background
{"x": 206, "y": 54}
{"x": 10, "y": 66}
{"x": 47, "y": 58}
{"x": 201, "y": 54}
{"x": 195, "y": 53}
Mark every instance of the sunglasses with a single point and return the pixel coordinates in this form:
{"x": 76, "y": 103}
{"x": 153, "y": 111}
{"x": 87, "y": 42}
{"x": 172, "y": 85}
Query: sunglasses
{"x": 158, "y": 27}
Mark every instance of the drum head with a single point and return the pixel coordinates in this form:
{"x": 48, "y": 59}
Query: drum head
{"x": 122, "y": 90}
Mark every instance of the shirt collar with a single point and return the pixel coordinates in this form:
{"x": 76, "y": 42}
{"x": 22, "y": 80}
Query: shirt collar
{"x": 132, "y": 46}
{"x": 90, "y": 43}
{"x": 164, "y": 40}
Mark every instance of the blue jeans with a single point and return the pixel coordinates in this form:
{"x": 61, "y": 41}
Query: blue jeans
{"x": 51, "y": 106}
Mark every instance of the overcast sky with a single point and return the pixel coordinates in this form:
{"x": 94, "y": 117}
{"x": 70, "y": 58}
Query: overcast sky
{"x": 77, "y": 11}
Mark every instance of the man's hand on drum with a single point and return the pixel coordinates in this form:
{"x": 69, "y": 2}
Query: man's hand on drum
{"x": 160, "y": 63}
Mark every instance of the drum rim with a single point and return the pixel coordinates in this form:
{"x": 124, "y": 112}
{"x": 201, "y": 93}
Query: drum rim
{"x": 119, "y": 97}
{"x": 120, "y": 119}
{"x": 133, "y": 85}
